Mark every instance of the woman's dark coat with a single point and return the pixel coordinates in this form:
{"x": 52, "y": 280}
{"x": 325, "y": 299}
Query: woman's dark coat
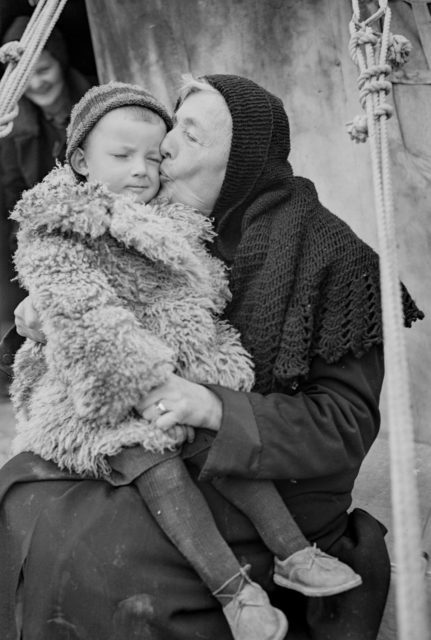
{"x": 86, "y": 559}
{"x": 30, "y": 151}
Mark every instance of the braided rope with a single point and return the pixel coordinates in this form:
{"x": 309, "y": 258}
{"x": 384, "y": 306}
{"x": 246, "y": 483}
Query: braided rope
{"x": 22, "y": 57}
{"x": 371, "y": 57}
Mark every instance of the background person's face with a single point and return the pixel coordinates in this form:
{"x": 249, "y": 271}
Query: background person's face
{"x": 196, "y": 151}
{"x": 46, "y": 82}
{"x": 123, "y": 153}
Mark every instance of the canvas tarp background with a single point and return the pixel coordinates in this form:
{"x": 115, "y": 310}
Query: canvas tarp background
{"x": 299, "y": 50}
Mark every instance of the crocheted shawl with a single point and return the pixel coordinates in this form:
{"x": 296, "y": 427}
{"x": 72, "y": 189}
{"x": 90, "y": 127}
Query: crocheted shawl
{"x": 303, "y": 283}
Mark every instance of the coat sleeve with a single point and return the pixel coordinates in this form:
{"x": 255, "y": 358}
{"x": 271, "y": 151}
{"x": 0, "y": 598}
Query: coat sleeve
{"x": 9, "y": 345}
{"x": 106, "y": 356}
{"x": 326, "y": 428}
{"x": 11, "y": 178}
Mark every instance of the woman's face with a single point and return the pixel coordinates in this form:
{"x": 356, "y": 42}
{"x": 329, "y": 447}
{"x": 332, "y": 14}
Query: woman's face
{"x": 46, "y": 82}
{"x": 196, "y": 151}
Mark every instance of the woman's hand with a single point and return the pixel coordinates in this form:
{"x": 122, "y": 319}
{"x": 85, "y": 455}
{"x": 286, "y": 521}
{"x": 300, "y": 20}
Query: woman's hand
{"x": 181, "y": 434}
{"x": 27, "y": 321}
{"x": 180, "y": 402}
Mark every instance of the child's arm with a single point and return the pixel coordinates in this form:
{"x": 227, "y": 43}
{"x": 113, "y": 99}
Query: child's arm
{"x": 109, "y": 360}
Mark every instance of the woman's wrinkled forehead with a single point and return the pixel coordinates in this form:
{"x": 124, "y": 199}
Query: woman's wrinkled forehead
{"x": 213, "y": 98}
{"x": 206, "y": 109}
{"x": 205, "y": 115}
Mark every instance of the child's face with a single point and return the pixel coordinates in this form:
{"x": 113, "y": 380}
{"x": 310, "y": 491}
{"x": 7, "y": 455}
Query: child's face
{"x": 123, "y": 152}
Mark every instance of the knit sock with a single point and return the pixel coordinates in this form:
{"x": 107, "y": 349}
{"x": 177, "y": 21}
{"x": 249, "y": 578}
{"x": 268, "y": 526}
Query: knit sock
{"x": 260, "y": 501}
{"x": 182, "y": 512}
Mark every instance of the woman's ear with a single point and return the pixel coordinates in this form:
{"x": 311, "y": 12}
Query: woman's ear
{"x": 79, "y": 163}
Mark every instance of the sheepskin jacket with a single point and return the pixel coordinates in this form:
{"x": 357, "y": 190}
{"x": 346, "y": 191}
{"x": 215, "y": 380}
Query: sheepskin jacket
{"x": 126, "y": 293}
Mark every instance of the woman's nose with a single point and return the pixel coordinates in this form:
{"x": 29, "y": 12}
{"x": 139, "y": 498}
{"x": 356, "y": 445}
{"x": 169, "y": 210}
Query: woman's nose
{"x": 166, "y": 146}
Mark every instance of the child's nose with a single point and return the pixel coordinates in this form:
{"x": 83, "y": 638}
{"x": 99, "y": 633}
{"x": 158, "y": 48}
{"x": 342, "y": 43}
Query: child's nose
{"x": 139, "y": 167}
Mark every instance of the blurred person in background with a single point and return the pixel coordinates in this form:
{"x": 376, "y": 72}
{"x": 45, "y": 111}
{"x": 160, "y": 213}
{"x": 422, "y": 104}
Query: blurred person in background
{"x": 36, "y": 142}
{"x": 38, "y": 137}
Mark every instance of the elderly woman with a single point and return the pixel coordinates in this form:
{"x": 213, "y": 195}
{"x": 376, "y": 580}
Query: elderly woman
{"x": 306, "y": 300}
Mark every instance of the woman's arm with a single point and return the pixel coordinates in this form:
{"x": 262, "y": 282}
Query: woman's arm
{"x": 327, "y": 427}
{"x": 324, "y": 429}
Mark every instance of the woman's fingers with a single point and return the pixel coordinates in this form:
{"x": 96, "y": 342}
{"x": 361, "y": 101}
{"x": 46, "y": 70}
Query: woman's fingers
{"x": 180, "y": 433}
{"x": 179, "y": 401}
{"x": 190, "y": 434}
{"x": 166, "y": 421}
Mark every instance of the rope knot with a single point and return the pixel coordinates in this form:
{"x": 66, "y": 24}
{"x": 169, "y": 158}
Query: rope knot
{"x": 384, "y": 109}
{"x": 371, "y": 81}
{"x": 399, "y": 49}
{"x": 359, "y": 38}
{"x": 6, "y": 121}
{"x": 11, "y": 52}
{"x": 373, "y": 75}
{"x": 358, "y": 128}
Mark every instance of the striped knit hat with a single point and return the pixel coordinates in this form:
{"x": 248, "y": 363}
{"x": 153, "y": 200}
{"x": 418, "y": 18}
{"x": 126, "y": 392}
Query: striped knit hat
{"x": 99, "y": 100}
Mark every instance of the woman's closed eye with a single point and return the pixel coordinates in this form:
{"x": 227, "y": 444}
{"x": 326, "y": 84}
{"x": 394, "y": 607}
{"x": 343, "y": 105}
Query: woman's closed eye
{"x": 190, "y": 136}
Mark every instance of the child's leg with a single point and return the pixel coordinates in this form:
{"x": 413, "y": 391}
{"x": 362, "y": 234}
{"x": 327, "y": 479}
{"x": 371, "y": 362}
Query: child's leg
{"x": 183, "y": 514}
{"x": 298, "y": 565}
{"x": 260, "y": 501}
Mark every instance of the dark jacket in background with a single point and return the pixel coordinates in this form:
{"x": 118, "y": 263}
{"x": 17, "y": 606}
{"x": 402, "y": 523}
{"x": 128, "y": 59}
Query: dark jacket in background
{"x": 30, "y": 151}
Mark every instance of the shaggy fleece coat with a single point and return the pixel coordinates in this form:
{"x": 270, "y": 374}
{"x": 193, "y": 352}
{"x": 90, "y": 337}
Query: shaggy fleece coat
{"x": 126, "y": 293}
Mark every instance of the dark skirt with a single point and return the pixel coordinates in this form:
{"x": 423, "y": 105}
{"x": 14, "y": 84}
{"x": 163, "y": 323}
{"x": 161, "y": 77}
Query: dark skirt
{"x": 82, "y": 559}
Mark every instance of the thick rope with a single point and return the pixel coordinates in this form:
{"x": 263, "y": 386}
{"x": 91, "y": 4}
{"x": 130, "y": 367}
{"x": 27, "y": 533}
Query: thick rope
{"x": 21, "y": 58}
{"x": 370, "y": 52}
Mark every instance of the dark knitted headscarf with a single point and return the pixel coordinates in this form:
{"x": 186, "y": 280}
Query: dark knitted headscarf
{"x": 303, "y": 283}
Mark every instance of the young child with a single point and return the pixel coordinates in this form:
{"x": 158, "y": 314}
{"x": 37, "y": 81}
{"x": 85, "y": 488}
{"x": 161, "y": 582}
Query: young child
{"x": 127, "y": 293}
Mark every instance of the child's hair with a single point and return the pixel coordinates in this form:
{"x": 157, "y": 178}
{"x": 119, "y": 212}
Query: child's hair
{"x": 100, "y": 100}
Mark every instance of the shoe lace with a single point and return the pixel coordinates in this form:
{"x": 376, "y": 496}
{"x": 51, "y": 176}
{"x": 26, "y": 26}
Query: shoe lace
{"x": 314, "y": 553}
{"x": 243, "y": 573}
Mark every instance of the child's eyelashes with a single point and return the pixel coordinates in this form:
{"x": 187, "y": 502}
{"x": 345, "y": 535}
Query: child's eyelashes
{"x": 156, "y": 160}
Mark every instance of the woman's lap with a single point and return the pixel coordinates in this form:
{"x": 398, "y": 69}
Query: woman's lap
{"x": 92, "y": 563}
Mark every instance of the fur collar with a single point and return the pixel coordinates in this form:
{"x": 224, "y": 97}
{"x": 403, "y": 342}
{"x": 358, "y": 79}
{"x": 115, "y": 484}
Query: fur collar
{"x": 159, "y": 231}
